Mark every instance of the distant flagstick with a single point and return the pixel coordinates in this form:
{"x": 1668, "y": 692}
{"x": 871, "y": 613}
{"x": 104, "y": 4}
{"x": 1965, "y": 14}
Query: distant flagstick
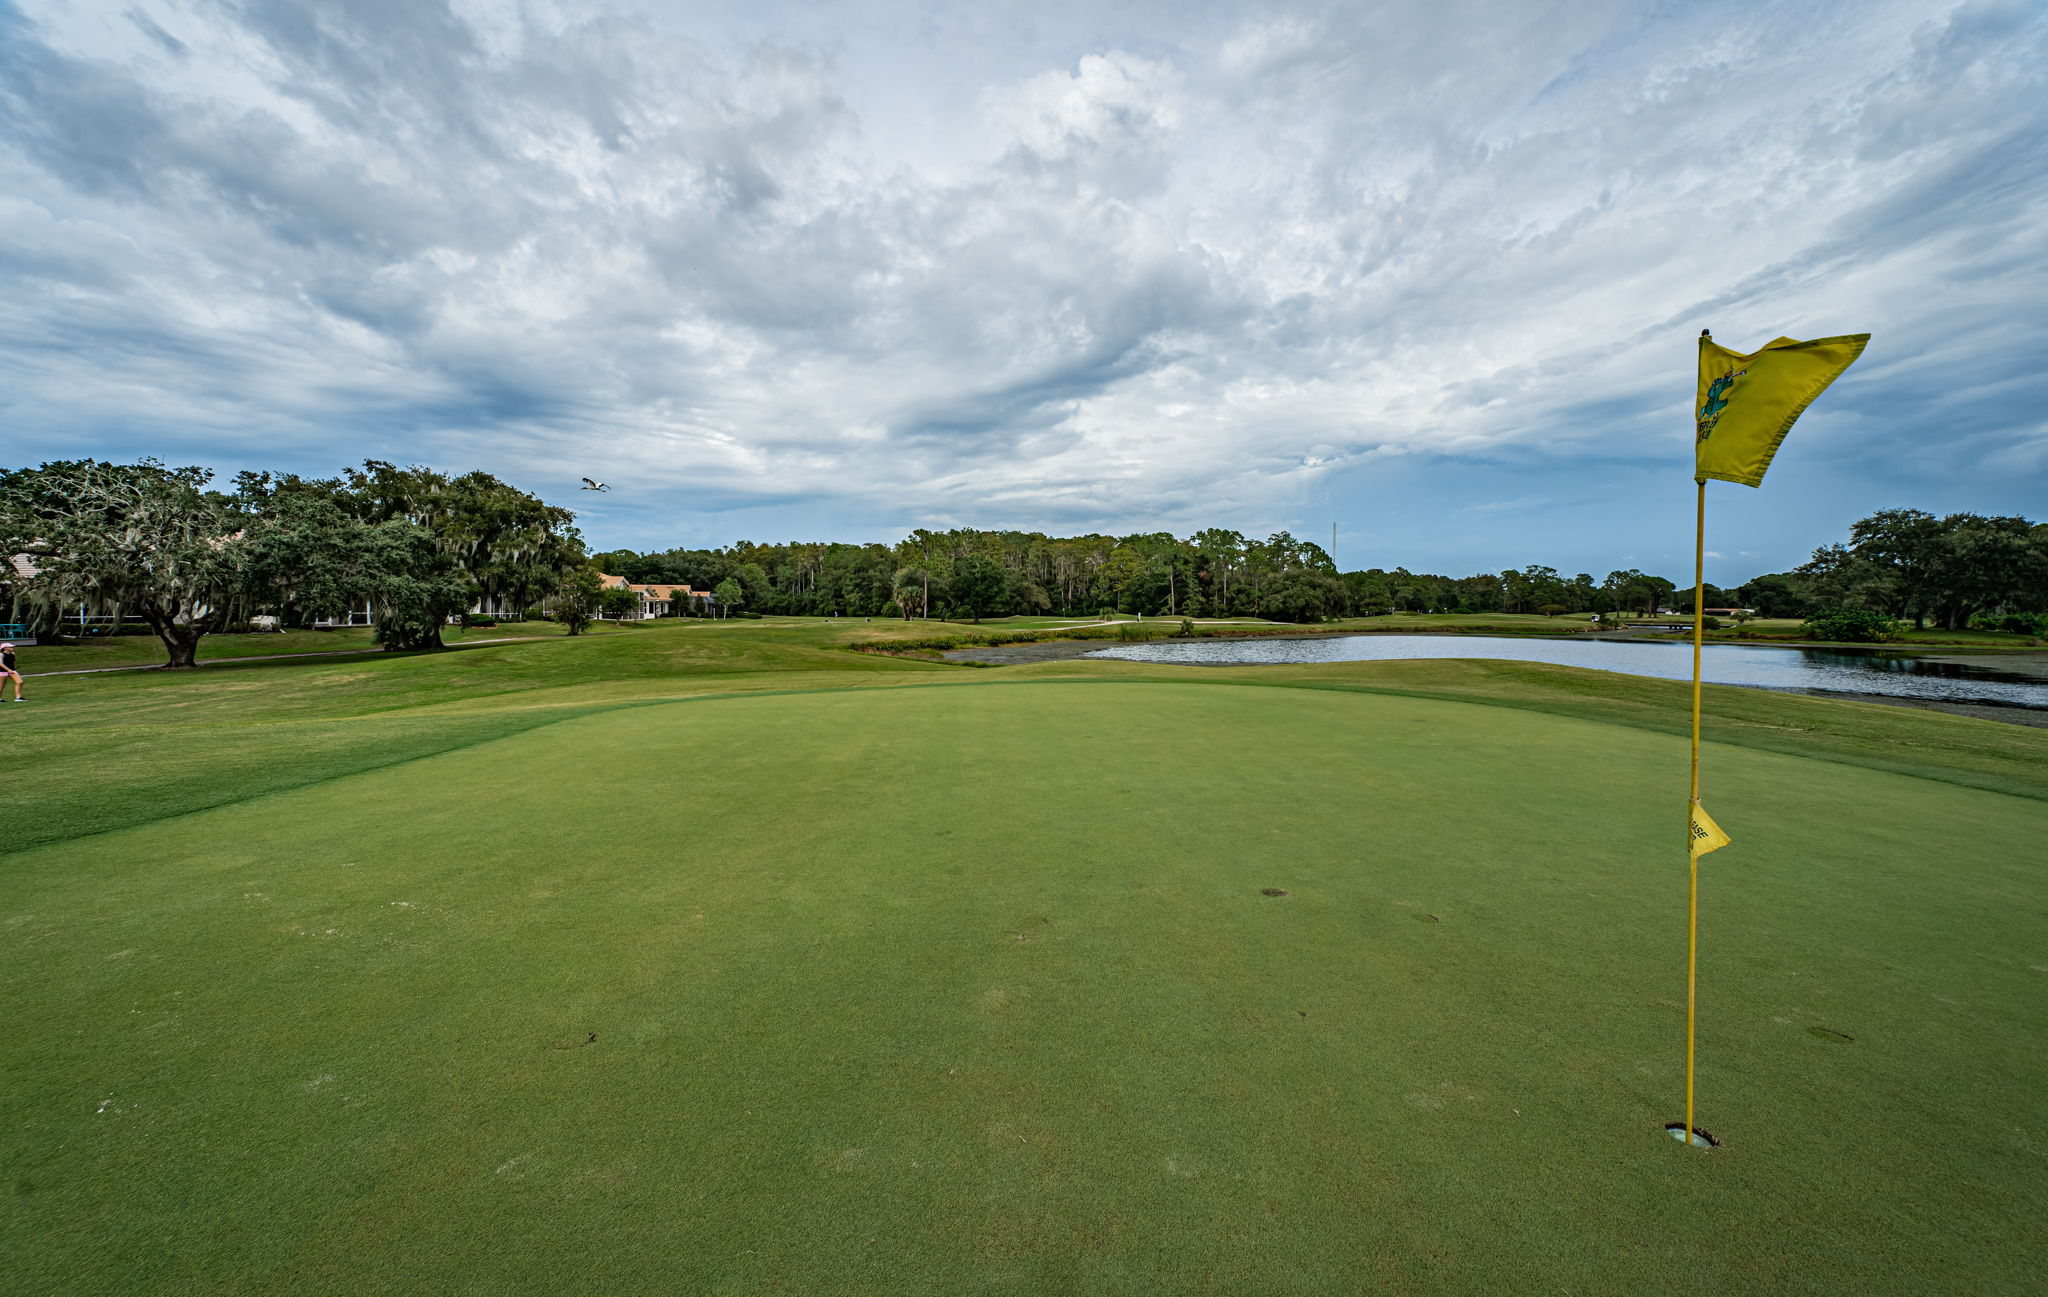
{"x": 1734, "y": 441}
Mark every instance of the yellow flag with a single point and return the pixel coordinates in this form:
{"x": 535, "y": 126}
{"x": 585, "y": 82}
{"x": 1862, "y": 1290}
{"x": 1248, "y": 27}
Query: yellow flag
{"x": 1748, "y": 403}
{"x": 1706, "y": 835}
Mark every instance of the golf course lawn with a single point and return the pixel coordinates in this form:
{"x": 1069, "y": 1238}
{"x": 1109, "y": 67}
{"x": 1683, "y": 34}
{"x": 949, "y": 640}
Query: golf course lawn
{"x": 118, "y": 651}
{"x": 909, "y": 978}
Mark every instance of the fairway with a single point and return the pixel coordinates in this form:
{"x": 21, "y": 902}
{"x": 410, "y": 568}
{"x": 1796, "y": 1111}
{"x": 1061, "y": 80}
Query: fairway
{"x": 976, "y": 988}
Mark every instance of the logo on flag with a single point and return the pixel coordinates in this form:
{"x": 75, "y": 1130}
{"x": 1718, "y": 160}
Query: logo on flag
{"x": 1717, "y": 401}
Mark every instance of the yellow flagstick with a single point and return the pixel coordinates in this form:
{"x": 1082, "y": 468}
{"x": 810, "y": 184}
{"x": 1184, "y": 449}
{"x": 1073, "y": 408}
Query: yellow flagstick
{"x": 1692, "y": 921}
{"x": 1746, "y": 405}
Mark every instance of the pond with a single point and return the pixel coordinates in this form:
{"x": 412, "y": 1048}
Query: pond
{"x": 1832, "y": 670}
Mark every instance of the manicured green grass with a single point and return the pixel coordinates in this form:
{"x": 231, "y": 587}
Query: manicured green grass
{"x": 98, "y": 752}
{"x": 913, "y": 979}
{"x": 147, "y": 650}
{"x": 1090, "y": 619}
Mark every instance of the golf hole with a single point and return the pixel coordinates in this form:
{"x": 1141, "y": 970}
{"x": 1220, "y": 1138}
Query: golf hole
{"x": 1700, "y": 1138}
{"x": 1271, "y": 891}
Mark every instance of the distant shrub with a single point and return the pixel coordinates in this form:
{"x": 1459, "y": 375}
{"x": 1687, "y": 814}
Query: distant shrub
{"x": 1711, "y": 623}
{"x": 2016, "y": 623}
{"x": 943, "y": 643}
{"x": 478, "y": 619}
{"x": 749, "y": 616}
{"x": 534, "y": 613}
{"x": 1848, "y": 626}
{"x": 1187, "y": 627}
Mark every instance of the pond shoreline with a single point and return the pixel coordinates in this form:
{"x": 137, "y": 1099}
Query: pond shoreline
{"x": 2020, "y": 661}
{"x": 2034, "y": 665}
{"x": 2006, "y": 714}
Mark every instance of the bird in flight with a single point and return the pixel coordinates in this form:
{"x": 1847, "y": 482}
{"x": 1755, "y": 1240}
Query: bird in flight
{"x": 589, "y": 485}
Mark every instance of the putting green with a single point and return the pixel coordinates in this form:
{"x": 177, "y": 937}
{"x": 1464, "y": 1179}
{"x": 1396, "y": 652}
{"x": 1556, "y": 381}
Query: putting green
{"x": 975, "y": 990}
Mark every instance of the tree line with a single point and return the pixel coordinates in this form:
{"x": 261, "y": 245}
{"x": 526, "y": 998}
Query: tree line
{"x": 966, "y": 572}
{"x": 1899, "y": 563}
{"x": 419, "y": 547}
{"x": 1905, "y": 564}
{"x": 163, "y": 546}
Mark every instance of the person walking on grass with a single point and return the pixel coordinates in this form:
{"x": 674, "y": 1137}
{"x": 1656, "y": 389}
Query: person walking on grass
{"x": 7, "y": 671}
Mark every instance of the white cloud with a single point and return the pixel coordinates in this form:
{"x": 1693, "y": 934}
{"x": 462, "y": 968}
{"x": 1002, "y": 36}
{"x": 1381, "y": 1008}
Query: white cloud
{"x": 1186, "y": 273}
{"x": 1504, "y": 506}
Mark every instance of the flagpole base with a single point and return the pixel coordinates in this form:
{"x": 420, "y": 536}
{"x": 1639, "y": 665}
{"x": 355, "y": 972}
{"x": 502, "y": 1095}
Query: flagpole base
{"x": 1698, "y": 1138}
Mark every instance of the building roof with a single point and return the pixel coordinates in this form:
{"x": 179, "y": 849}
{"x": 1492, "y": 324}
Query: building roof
{"x": 652, "y": 590}
{"x": 669, "y": 591}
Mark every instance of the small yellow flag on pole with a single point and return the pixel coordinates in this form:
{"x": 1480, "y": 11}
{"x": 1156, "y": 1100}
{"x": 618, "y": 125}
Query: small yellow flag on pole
{"x": 1706, "y": 835}
{"x": 1747, "y": 404}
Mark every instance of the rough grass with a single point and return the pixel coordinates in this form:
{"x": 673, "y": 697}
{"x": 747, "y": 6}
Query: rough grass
{"x": 968, "y": 985}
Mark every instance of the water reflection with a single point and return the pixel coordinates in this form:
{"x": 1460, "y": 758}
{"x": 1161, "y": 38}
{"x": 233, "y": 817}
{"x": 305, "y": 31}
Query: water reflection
{"x": 1838, "y": 670}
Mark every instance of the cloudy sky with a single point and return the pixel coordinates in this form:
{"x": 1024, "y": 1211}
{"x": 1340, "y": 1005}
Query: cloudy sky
{"x": 1430, "y": 271}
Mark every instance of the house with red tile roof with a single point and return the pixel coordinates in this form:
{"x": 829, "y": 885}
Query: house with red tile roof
{"x": 657, "y": 600}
